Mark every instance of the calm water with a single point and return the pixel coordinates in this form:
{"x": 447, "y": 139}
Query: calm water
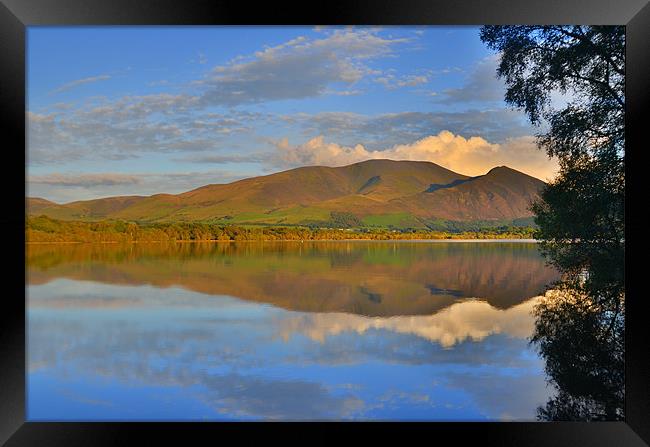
{"x": 284, "y": 331}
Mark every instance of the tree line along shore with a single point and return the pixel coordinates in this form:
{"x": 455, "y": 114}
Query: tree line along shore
{"x": 44, "y": 229}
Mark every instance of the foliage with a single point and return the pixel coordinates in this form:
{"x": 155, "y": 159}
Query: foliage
{"x": 581, "y": 219}
{"x": 344, "y": 220}
{"x": 523, "y": 226}
{"x": 581, "y": 212}
{"x": 46, "y": 229}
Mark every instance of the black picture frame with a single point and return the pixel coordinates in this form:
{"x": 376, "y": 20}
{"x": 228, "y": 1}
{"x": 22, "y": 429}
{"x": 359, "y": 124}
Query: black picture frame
{"x": 16, "y": 15}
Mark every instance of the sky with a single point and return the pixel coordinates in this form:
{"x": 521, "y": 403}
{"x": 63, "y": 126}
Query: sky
{"x": 145, "y": 110}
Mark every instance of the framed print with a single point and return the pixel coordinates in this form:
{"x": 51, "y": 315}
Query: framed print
{"x": 362, "y": 218}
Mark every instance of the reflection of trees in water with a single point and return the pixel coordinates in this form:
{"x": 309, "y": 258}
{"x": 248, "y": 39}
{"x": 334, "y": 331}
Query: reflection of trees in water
{"x": 581, "y": 340}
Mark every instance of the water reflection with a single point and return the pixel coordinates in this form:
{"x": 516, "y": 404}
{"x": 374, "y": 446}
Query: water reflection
{"x": 374, "y": 279}
{"x": 470, "y": 319}
{"x": 581, "y": 339}
{"x": 194, "y": 332}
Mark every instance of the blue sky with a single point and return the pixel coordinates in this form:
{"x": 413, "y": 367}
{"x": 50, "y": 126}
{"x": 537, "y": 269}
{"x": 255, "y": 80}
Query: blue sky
{"x": 143, "y": 110}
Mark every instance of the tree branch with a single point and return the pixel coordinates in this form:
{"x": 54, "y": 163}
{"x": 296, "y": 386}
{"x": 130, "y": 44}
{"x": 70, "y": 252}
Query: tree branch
{"x": 585, "y": 39}
{"x": 608, "y": 87}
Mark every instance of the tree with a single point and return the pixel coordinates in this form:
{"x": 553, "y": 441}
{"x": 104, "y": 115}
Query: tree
{"x": 580, "y": 213}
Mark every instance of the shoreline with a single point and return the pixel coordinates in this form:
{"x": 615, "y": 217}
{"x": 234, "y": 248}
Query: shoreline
{"x": 458, "y": 240}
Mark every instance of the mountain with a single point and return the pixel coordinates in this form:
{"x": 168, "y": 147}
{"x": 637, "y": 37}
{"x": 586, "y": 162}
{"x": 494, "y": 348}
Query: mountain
{"x": 379, "y": 193}
{"x": 35, "y": 204}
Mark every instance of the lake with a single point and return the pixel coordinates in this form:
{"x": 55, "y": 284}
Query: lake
{"x": 349, "y": 330}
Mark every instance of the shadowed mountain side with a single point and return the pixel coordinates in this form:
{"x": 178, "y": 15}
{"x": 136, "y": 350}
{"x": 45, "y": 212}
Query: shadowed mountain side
{"x": 500, "y": 194}
{"x": 409, "y": 191}
{"x": 398, "y": 278}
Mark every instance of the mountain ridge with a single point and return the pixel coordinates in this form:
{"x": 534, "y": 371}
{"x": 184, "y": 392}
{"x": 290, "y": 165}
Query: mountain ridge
{"x": 379, "y": 193}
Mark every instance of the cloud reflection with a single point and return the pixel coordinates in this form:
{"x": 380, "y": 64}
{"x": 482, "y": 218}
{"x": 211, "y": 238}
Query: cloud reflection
{"x": 472, "y": 319}
{"x": 284, "y": 331}
{"x": 247, "y": 360}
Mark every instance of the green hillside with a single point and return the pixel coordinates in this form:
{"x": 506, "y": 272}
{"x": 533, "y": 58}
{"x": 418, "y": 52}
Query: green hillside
{"x": 373, "y": 194}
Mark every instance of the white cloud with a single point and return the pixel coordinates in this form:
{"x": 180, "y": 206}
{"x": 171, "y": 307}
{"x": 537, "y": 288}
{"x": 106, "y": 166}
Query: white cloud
{"x": 384, "y": 130}
{"x": 392, "y": 81}
{"x": 227, "y": 158}
{"x": 84, "y": 180}
{"x": 469, "y": 156}
{"x": 64, "y": 187}
{"x": 482, "y": 84}
{"x": 299, "y": 68}
{"x": 79, "y": 82}
{"x": 138, "y": 107}
{"x": 412, "y": 81}
{"x": 343, "y": 92}
{"x": 128, "y": 127}
{"x": 40, "y": 118}
{"x": 158, "y": 83}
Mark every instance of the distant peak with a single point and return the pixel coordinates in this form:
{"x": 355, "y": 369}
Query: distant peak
{"x": 376, "y": 161}
{"x": 500, "y": 168}
{"x": 389, "y": 160}
{"x": 39, "y": 199}
{"x": 505, "y": 170}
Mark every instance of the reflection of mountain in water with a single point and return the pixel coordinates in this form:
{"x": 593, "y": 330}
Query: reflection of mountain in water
{"x": 367, "y": 278}
{"x": 470, "y": 319}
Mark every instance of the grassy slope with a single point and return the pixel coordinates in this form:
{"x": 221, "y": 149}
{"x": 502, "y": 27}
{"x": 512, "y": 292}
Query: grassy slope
{"x": 379, "y": 193}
